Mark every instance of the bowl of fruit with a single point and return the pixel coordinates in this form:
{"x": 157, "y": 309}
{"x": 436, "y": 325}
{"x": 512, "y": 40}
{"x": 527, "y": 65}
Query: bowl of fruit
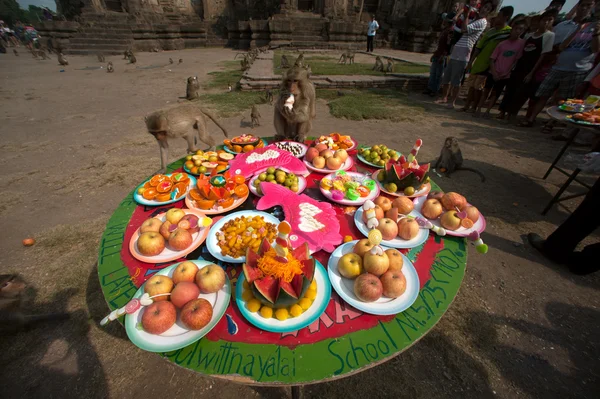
{"x": 322, "y": 159}
{"x": 218, "y": 193}
{"x": 164, "y": 189}
{"x": 243, "y": 143}
{"x": 280, "y": 176}
{"x": 377, "y": 155}
{"x": 335, "y": 141}
{"x": 204, "y": 163}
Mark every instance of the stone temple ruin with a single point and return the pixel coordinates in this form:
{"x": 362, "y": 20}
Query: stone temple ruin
{"x": 112, "y": 26}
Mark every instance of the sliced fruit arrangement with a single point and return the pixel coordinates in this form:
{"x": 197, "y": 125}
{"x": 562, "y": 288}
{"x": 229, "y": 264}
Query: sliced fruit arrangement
{"x": 204, "y": 163}
{"x": 243, "y": 143}
{"x": 243, "y": 233}
{"x": 277, "y": 176}
{"x": 218, "y": 192}
{"x": 348, "y": 186}
{"x": 336, "y": 141}
{"x": 163, "y": 188}
{"x": 405, "y": 174}
{"x": 377, "y": 155}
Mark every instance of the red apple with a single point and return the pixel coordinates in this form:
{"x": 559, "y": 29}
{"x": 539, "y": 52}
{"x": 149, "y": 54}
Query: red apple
{"x": 166, "y": 229}
{"x": 408, "y": 228}
{"x": 341, "y": 154}
{"x": 450, "y": 220}
{"x": 180, "y": 239}
{"x": 311, "y": 154}
{"x": 384, "y": 202}
{"x": 321, "y": 147}
{"x": 159, "y": 317}
{"x": 404, "y": 205}
{"x": 432, "y": 209}
{"x": 210, "y": 279}
{"x": 150, "y": 243}
{"x": 152, "y": 224}
{"x": 388, "y": 228}
{"x": 196, "y": 314}
{"x": 190, "y": 223}
{"x": 157, "y": 285}
{"x": 392, "y": 214}
{"x": 435, "y": 195}
{"x": 183, "y": 293}
{"x": 333, "y": 163}
{"x": 368, "y": 288}
{"x": 396, "y": 260}
{"x": 394, "y": 283}
{"x": 319, "y": 162}
{"x": 376, "y": 264}
{"x": 362, "y": 247}
{"x": 185, "y": 271}
{"x": 378, "y": 214}
{"x": 472, "y": 213}
{"x": 326, "y": 153}
{"x": 451, "y": 201}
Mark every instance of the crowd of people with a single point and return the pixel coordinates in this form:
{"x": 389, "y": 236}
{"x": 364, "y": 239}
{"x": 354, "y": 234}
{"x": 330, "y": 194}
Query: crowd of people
{"x": 20, "y": 34}
{"x": 539, "y": 59}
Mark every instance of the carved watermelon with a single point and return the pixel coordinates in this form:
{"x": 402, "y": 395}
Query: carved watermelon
{"x": 251, "y": 272}
{"x": 406, "y": 177}
{"x": 268, "y": 288}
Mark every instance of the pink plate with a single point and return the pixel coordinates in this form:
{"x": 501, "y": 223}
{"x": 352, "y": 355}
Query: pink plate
{"x": 479, "y": 226}
{"x": 345, "y": 166}
{"x": 167, "y": 254}
{"x": 189, "y": 202}
{"x": 372, "y": 195}
{"x": 423, "y": 191}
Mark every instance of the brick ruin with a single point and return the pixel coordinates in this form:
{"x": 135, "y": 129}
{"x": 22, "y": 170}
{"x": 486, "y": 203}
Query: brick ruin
{"x": 112, "y": 26}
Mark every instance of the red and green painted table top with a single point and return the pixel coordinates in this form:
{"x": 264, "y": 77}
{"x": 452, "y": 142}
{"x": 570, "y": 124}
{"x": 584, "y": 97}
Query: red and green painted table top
{"x": 341, "y": 342}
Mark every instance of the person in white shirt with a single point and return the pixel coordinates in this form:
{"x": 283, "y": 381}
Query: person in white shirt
{"x": 372, "y": 29}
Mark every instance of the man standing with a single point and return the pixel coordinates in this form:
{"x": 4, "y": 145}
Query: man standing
{"x": 438, "y": 59}
{"x": 373, "y": 26}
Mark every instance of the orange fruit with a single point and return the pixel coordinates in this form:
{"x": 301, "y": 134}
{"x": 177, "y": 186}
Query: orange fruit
{"x": 196, "y": 195}
{"x": 157, "y": 179}
{"x": 221, "y": 168}
{"x": 214, "y": 194}
{"x": 241, "y": 190}
{"x": 226, "y": 202}
{"x": 194, "y": 170}
{"x": 164, "y": 186}
{"x": 147, "y": 184}
{"x": 189, "y": 165}
{"x": 239, "y": 179}
{"x": 248, "y": 148}
{"x": 237, "y": 148}
{"x": 149, "y": 193}
{"x": 182, "y": 187}
{"x": 227, "y": 142}
{"x": 205, "y": 204}
{"x": 260, "y": 144}
{"x": 466, "y": 223}
{"x": 163, "y": 197}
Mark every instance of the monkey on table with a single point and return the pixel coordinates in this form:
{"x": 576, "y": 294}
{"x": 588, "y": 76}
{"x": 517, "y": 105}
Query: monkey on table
{"x": 187, "y": 121}
{"x": 296, "y": 106}
{"x": 451, "y": 159}
{"x": 378, "y": 64}
{"x": 255, "y": 116}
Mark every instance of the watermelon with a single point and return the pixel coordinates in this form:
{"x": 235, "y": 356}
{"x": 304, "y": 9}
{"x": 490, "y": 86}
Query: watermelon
{"x": 302, "y": 252}
{"x": 308, "y": 268}
{"x": 268, "y": 288}
{"x": 297, "y": 283}
{"x": 251, "y": 271}
{"x": 406, "y": 177}
{"x": 265, "y": 245}
{"x": 287, "y": 295}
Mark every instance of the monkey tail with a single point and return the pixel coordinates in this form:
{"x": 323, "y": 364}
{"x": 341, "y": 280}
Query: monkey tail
{"x": 474, "y": 171}
{"x": 212, "y": 117}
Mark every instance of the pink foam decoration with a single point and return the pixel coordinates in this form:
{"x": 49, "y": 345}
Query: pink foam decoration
{"x": 327, "y": 237}
{"x": 247, "y": 164}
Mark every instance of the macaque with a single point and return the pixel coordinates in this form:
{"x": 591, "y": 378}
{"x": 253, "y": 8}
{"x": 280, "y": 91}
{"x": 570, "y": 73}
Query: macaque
{"x": 109, "y": 67}
{"x": 191, "y": 91}
{"x": 390, "y": 65}
{"x": 126, "y": 54}
{"x": 132, "y": 59}
{"x": 285, "y": 63}
{"x": 255, "y": 115}
{"x": 296, "y": 106}
{"x": 451, "y": 159}
{"x": 16, "y": 52}
{"x": 101, "y": 58}
{"x": 299, "y": 61}
{"x": 180, "y": 61}
{"x": 62, "y": 60}
{"x": 269, "y": 96}
{"x": 378, "y": 64}
{"x": 187, "y": 121}
{"x": 171, "y": 61}
{"x": 347, "y": 57}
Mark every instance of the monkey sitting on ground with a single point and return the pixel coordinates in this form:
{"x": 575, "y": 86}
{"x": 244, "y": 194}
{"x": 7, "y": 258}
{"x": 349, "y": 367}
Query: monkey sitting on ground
{"x": 451, "y": 159}
{"x": 378, "y": 64}
{"x": 299, "y": 61}
{"x": 171, "y": 61}
{"x": 187, "y": 121}
{"x": 269, "y": 96}
{"x": 191, "y": 90}
{"x": 285, "y": 63}
{"x": 180, "y": 61}
{"x": 293, "y": 117}
{"x": 109, "y": 67}
{"x": 101, "y": 58}
{"x": 62, "y": 60}
{"x": 132, "y": 59}
{"x": 16, "y": 52}
{"x": 255, "y": 115}
{"x": 126, "y": 54}
{"x": 390, "y": 65}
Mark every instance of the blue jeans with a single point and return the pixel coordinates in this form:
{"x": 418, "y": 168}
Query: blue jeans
{"x": 435, "y": 75}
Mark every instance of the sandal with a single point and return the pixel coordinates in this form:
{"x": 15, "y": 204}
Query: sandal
{"x": 526, "y": 123}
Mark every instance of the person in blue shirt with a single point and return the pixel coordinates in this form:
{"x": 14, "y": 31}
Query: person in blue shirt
{"x": 373, "y": 26}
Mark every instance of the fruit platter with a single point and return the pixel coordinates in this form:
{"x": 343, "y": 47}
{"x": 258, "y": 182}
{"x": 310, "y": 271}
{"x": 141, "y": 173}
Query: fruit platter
{"x": 335, "y": 141}
{"x": 373, "y": 278}
{"x": 234, "y": 234}
{"x": 396, "y": 221}
{"x": 218, "y": 193}
{"x": 322, "y": 159}
{"x": 205, "y": 163}
{"x": 591, "y": 118}
{"x": 169, "y": 236}
{"x": 377, "y": 155}
{"x": 282, "y": 289}
{"x": 177, "y": 306}
{"x": 349, "y": 188}
{"x": 296, "y": 149}
{"x": 452, "y": 212}
{"x": 164, "y": 189}
{"x": 573, "y": 105}
{"x": 243, "y": 144}
{"x": 281, "y": 176}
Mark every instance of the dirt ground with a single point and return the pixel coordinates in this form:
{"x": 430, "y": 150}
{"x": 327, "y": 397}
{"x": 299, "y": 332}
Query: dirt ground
{"x": 73, "y": 145}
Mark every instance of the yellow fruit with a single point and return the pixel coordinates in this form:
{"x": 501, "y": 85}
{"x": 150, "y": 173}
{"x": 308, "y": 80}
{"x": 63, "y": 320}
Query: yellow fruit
{"x": 247, "y": 295}
{"x": 199, "y": 152}
{"x": 253, "y": 305}
{"x": 348, "y": 239}
{"x": 409, "y": 191}
{"x": 246, "y": 285}
{"x": 282, "y": 314}
{"x": 266, "y": 312}
{"x": 310, "y": 294}
{"x": 313, "y": 285}
{"x": 305, "y": 303}
{"x": 296, "y": 310}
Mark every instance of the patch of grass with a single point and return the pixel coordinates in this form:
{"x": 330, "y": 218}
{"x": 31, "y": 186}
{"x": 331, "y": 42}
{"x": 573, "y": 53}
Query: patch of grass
{"x": 221, "y": 79}
{"x": 234, "y": 103}
{"x": 371, "y": 104}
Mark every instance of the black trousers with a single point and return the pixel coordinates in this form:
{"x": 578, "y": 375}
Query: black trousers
{"x": 370, "y": 43}
{"x": 561, "y": 244}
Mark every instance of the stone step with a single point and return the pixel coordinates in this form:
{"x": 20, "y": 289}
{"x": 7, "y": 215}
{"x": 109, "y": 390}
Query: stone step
{"x": 92, "y": 52}
{"x": 100, "y": 47}
{"x": 86, "y": 40}
{"x": 106, "y": 31}
{"x": 115, "y": 36}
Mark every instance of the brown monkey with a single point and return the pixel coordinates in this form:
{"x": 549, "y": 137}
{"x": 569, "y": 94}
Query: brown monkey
{"x": 269, "y": 96}
{"x": 299, "y": 61}
{"x": 126, "y": 54}
{"x": 308, "y": 70}
{"x": 171, "y": 61}
{"x": 101, "y": 58}
{"x": 62, "y": 60}
{"x": 132, "y": 59}
{"x": 187, "y": 121}
{"x": 451, "y": 159}
{"x": 109, "y": 67}
{"x": 285, "y": 63}
{"x": 378, "y": 64}
{"x": 16, "y": 52}
{"x": 191, "y": 91}
{"x": 180, "y": 61}
{"x": 293, "y": 121}
{"x": 347, "y": 57}
{"x": 255, "y": 115}
{"x": 390, "y": 65}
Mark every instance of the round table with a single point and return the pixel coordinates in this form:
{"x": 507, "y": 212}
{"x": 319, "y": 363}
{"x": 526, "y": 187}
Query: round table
{"x": 343, "y": 341}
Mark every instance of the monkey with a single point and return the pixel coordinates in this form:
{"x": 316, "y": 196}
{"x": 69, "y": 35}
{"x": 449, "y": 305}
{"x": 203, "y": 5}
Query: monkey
{"x": 299, "y": 61}
{"x": 180, "y": 61}
{"x": 378, "y": 64}
{"x": 42, "y": 54}
{"x": 269, "y": 96}
{"x": 16, "y": 52}
{"x": 34, "y": 54}
{"x": 342, "y": 59}
{"x": 62, "y": 60}
{"x": 155, "y": 50}
{"x": 171, "y": 61}
{"x": 243, "y": 54}
{"x": 308, "y": 70}
{"x": 101, "y": 58}
{"x": 255, "y": 115}
{"x": 187, "y": 121}
{"x": 191, "y": 91}
{"x": 451, "y": 159}
{"x": 126, "y": 54}
{"x": 285, "y": 63}
{"x": 132, "y": 59}
{"x": 245, "y": 63}
{"x": 347, "y": 57}
{"x": 229, "y": 87}
{"x": 295, "y": 122}
{"x": 390, "y": 65}
{"x": 109, "y": 67}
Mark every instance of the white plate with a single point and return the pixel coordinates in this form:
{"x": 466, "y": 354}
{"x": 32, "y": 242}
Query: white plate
{"x": 301, "y": 183}
{"x": 372, "y": 195}
{"x": 178, "y": 336}
{"x": 212, "y": 241}
{"x": 345, "y": 166}
{"x": 303, "y": 147}
{"x": 189, "y": 202}
{"x": 384, "y": 305}
{"x": 478, "y": 226}
{"x": 293, "y": 323}
{"x": 396, "y": 242}
{"x": 143, "y": 201}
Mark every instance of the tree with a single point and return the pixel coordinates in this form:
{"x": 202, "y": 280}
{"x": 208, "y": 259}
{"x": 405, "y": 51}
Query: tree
{"x": 11, "y": 12}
